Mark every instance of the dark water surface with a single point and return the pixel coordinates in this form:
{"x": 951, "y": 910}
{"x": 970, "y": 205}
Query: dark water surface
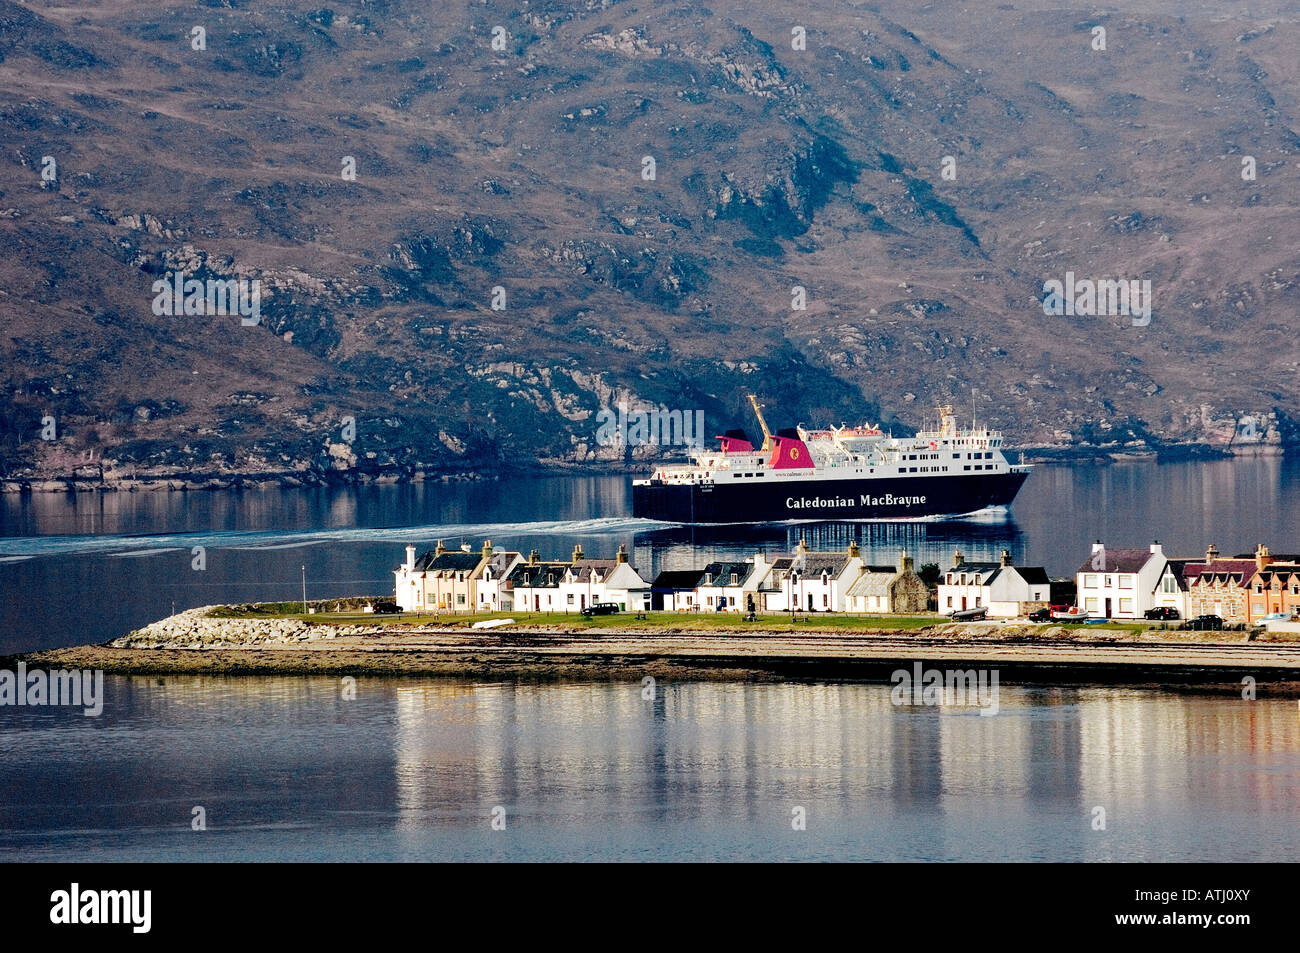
{"x": 87, "y": 568}
{"x": 287, "y": 768}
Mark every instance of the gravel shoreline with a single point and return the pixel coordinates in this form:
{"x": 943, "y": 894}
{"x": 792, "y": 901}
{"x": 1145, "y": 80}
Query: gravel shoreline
{"x": 192, "y": 643}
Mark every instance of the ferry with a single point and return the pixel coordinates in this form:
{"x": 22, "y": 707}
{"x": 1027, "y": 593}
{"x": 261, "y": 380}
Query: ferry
{"x": 840, "y": 473}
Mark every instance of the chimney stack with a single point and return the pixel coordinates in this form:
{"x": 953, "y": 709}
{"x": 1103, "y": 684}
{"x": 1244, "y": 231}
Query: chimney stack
{"x": 1211, "y": 554}
{"x": 622, "y": 553}
{"x": 1097, "y": 546}
{"x": 577, "y": 552}
{"x": 853, "y": 548}
{"x": 1006, "y": 557}
{"x": 410, "y": 557}
{"x": 487, "y": 548}
{"x": 1262, "y": 558}
{"x": 534, "y": 557}
{"x": 1156, "y": 548}
{"x": 439, "y": 549}
{"x": 904, "y": 562}
{"x": 957, "y": 558}
{"x": 803, "y": 545}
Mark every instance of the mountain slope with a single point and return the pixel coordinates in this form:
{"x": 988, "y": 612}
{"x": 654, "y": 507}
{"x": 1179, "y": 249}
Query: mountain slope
{"x": 522, "y": 169}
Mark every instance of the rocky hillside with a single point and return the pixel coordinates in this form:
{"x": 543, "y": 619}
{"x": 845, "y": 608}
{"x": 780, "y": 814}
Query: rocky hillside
{"x": 558, "y": 207}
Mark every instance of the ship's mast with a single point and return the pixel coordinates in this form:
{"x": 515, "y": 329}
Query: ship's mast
{"x": 758, "y": 412}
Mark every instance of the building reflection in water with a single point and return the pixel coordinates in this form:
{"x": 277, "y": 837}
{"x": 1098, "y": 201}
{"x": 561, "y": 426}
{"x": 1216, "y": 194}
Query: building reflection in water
{"x": 723, "y": 757}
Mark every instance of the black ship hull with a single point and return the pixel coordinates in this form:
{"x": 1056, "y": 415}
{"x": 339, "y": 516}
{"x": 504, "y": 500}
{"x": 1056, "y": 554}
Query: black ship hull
{"x": 900, "y": 498}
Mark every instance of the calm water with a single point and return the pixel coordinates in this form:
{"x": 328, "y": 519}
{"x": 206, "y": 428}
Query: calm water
{"x": 85, "y": 568}
{"x": 412, "y": 769}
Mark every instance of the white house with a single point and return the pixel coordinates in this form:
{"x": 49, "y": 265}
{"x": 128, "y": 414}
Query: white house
{"x": 1004, "y": 590}
{"x": 588, "y": 581}
{"x": 1171, "y": 588}
{"x": 1122, "y": 583}
{"x": 492, "y": 591}
{"x": 772, "y": 591}
{"x": 439, "y": 580}
{"x": 674, "y": 590}
{"x": 819, "y": 582}
{"x": 731, "y": 586}
{"x": 535, "y": 585}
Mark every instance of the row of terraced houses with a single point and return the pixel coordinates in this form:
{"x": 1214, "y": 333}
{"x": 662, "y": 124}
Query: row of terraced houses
{"x": 1111, "y": 583}
{"x": 487, "y": 580}
{"x": 1243, "y": 589}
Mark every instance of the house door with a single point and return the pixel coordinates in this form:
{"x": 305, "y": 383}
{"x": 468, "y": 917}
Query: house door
{"x": 537, "y": 603}
{"x": 1107, "y": 608}
{"x": 963, "y": 603}
{"x": 810, "y": 602}
{"x": 582, "y": 601}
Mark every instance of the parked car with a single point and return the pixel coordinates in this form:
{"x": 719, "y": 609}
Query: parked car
{"x": 1041, "y": 615}
{"x": 1203, "y": 623}
{"x": 387, "y": 607}
{"x": 1162, "y": 614}
{"x": 600, "y": 608}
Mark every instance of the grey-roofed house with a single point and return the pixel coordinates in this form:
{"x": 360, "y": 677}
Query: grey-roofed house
{"x": 894, "y": 589}
{"x": 1004, "y": 590}
{"x": 440, "y": 579}
{"x": 535, "y": 584}
{"x": 818, "y": 581}
{"x": 732, "y": 586}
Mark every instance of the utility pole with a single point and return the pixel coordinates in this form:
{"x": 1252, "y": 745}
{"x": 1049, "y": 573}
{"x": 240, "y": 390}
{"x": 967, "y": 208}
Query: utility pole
{"x": 304, "y": 590}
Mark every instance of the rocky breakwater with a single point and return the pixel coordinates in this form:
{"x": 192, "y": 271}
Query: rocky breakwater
{"x": 198, "y": 629}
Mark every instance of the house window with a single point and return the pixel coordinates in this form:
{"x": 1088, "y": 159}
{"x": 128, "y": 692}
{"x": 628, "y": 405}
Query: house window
{"x": 1126, "y": 581}
{"x": 1257, "y": 608}
{"x": 977, "y": 602}
{"x": 570, "y": 599}
{"x": 1126, "y": 605}
{"x": 428, "y": 599}
{"x": 1091, "y": 604}
{"x": 460, "y": 598}
{"x": 708, "y": 600}
{"x": 1169, "y": 584}
{"x": 950, "y": 602}
{"x": 1110, "y": 582}
{"x": 826, "y": 600}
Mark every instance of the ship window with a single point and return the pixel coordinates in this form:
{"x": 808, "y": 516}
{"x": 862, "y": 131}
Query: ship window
{"x": 911, "y": 469}
{"x": 967, "y": 467}
{"x": 956, "y": 456}
{"x": 760, "y": 474}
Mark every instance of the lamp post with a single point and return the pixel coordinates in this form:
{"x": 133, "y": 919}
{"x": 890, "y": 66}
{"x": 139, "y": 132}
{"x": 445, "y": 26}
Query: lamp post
{"x": 304, "y": 590}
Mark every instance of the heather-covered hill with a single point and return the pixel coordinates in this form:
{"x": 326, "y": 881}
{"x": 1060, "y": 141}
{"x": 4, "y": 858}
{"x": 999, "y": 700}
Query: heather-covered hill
{"x": 524, "y": 169}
